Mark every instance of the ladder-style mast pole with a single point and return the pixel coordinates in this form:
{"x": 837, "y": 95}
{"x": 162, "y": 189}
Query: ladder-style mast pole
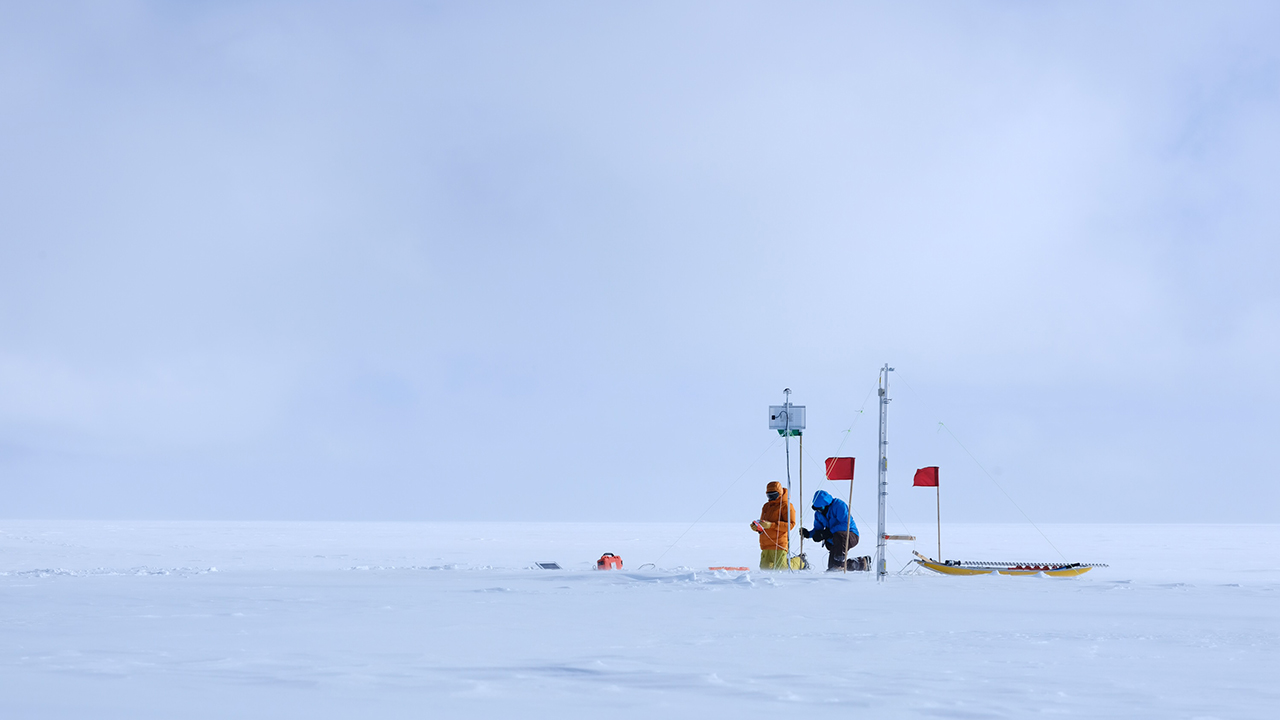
{"x": 881, "y": 571}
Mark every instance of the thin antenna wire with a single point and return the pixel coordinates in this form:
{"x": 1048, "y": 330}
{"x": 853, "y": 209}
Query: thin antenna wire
{"x": 1010, "y": 498}
{"x": 718, "y": 499}
{"x": 990, "y": 476}
{"x": 848, "y": 433}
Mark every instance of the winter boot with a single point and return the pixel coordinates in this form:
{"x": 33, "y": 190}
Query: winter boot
{"x": 860, "y": 564}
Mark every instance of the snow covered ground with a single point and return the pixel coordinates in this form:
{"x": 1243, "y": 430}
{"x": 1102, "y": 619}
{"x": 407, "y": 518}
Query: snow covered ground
{"x": 399, "y": 620}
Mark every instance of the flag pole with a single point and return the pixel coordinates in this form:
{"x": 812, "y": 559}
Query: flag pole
{"x": 925, "y": 477}
{"x": 848, "y": 529}
{"x": 789, "y": 499}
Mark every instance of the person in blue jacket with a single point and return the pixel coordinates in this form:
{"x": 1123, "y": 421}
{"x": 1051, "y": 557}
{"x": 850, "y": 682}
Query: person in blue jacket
{"x": 837, "y": 532}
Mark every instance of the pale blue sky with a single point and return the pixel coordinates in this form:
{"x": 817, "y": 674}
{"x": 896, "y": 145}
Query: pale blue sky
{"x": 554, "y": 261}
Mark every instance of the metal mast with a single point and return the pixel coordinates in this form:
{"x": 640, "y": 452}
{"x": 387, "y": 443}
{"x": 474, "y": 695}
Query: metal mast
{"x": 786, "y": 404}
{"x": 788, "y": 420}
{"x": 786, "y": 410}
{"x": 883, "y": 469}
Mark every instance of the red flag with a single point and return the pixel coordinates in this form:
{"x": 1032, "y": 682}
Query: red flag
{"x": 840, "y": 468}
{"x": 926, "y": 477}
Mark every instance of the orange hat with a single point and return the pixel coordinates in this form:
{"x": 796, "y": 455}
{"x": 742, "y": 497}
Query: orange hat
{"x": 773, "y": 487}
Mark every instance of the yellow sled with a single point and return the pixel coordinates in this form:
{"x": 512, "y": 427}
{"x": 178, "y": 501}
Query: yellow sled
{"x": 962, "y": 567}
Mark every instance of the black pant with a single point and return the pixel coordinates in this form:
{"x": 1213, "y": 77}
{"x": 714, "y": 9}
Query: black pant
{"x": 838, "y": 546}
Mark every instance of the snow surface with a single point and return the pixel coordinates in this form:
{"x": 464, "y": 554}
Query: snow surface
{"x": 399, "y": 620}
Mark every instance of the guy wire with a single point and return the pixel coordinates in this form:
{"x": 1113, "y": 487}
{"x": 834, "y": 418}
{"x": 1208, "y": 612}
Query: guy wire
{"x": 718, "y": 499}
{"x": 990, "y": 477}
{"x": 1001, "y": 489}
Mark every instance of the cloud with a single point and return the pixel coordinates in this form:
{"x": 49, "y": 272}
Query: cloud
{"x": 392, "y": 258}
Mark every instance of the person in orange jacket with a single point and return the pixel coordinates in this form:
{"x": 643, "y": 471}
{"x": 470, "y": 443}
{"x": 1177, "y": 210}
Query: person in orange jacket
{"x": 777, "y": 517}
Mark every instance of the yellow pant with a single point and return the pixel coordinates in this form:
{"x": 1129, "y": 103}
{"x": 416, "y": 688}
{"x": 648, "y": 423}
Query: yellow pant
{"x": 777, "y": 560}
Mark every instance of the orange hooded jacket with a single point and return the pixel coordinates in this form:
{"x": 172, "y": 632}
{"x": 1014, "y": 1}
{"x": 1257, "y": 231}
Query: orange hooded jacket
{"x": 782, "y": 514}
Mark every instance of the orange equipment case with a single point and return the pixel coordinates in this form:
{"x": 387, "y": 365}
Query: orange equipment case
{"x": 609, "y": 561}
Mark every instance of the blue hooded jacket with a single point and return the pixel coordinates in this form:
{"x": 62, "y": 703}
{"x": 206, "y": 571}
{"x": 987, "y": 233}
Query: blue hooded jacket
{"x": 832, "y": 514}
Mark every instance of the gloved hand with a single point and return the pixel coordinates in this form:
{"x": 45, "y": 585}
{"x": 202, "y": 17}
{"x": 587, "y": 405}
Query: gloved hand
{"x": 819, "y": 535}
{"x": 804, "y": 533}
{"x": 759, "y": 526}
